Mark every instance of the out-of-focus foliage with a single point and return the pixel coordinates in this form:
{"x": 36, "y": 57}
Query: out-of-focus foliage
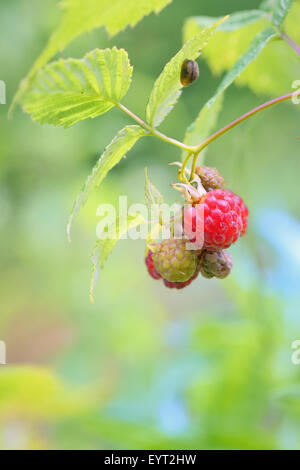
{"x": 37, "y": 393}
{"x": 272, "y": 70}
{"x": 144, "y": 367}
{"x": 208, "y": 116}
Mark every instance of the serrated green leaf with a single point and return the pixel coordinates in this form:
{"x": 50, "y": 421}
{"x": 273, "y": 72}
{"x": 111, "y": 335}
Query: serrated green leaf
{"x": 208, "y": 116}
{"x": 273, "y": 70}
{"x": 71, "y": 90}
{"x": 80, "y": 17}
{"x": 104, "y": 246}
{"x": 114, "y": 152}
{"x": 280, "y": 11}
{"x": 167, "y": 88}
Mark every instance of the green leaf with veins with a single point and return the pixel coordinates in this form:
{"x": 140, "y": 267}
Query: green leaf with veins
{"x": 71, "y": 90}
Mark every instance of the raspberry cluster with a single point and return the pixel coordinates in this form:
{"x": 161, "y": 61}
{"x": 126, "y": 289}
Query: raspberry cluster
{"x": 216, "y": 221}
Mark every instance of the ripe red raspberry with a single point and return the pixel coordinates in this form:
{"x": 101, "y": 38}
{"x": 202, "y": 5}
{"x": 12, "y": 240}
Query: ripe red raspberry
{"x": 150, "y": 266}
{"x": 216, "y": 264}
{"x": 221, "y": 215}
{"x": 173, "y": 261}
{"x": 210, "y": 178}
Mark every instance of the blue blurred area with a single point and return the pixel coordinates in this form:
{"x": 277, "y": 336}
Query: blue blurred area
{"x": 282, "y": 231}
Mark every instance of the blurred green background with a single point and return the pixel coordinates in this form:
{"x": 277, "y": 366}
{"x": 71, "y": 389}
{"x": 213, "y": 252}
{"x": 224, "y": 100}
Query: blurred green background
{"x": 144, "y": 367}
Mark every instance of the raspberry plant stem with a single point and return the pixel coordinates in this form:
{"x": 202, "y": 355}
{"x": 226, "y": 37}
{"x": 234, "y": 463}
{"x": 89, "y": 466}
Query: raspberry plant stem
{"x": 194, "y": 165}
{"x": 195, "y": 150}
{"x": 152, "y": 130}
{"x": 268, "y": 104}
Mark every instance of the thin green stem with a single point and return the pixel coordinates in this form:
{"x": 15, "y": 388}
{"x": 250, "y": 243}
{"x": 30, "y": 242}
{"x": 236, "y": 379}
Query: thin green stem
{"x": 153, "y": 131}
{"x": 194, "y": 166}
{"x": 182, "y": 171}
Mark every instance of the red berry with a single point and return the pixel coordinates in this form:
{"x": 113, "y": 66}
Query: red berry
{"x": 224, "y": 219}
{"x": 244, "y": 212}
{"x": 150, "y": 266}
{"x": 193, "y": 226}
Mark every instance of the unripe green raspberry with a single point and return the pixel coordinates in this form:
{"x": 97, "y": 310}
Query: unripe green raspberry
{"x": 210, "y": 178}
{"x": 216, "y": 264}
{"x": 173, "y": 262}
